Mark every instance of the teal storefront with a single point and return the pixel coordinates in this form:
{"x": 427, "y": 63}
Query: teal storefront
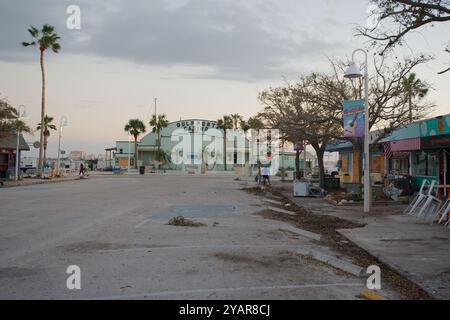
{"x": 432, "y": 161}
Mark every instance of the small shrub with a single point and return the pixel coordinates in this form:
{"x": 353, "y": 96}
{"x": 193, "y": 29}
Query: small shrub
{"x": 181, "y": 221}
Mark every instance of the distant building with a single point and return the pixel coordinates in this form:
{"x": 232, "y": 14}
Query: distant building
{"x": 77, "y": 155}
{"x": 190, "y": 143}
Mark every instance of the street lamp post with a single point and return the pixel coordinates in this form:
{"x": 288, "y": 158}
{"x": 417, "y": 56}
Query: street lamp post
{"x": 62, "y": 124}
{"x": 21, "y": 112}
{"x": 352, "y": 73}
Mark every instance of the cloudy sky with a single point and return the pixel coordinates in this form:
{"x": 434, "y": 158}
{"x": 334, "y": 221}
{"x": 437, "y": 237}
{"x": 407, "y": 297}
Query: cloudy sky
{"x": 201, "y": 58}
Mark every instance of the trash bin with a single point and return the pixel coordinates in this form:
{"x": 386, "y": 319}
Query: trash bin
{"x": 142, "y": 170}
{"x": 332, "y": 183}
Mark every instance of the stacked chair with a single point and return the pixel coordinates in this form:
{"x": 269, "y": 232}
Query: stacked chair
{"x": 428, "y": 207}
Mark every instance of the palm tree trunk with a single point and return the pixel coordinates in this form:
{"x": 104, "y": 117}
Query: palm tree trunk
{"x": 159, "y": 141}
{"x": 41, "y": 139}
{"x": 225, "y": 149}
{"x": 135, "y": 153}
{"x": 45, "y": 149}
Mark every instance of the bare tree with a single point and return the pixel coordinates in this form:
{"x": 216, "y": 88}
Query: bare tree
{"x": 307, "y": 111}
{"x": 390, "y": 103}
{"x": 311, "y": 109}
{"x": 402, "y": 17}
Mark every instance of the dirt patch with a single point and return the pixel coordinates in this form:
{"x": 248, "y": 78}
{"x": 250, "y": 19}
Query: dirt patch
{"x": 257, "y": 191}
{"x": 327, "y": 226}
{"x": 277, "y": 261}
{"x": 236, "y": 258}
{"x": 181, "y": 221}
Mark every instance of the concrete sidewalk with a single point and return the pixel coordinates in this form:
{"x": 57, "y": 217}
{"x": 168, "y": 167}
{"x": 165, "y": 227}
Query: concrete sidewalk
{"x": 35, "y": 181}
{"x": 417, "y": 250}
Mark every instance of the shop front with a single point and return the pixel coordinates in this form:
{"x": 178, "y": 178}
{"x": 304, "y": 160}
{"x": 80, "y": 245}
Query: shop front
{"x": 433, "y": 161}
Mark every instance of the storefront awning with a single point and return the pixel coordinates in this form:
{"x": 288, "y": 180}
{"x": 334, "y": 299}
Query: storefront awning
{"x": 405, "y": 145}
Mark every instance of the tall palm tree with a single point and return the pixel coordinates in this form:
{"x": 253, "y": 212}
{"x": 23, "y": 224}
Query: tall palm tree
{"x": 158, "y": 123}
{"x": 414, "y": 88}
{"x": 48, "y": 125}
{"x": 135, "y": 127}
{"x": 45, "y": 39}
{"x": 226, "y": 123}
{"x": 236, "y": 119}
{"x": 256, "y": 124}
{"x": 245, "y": 128}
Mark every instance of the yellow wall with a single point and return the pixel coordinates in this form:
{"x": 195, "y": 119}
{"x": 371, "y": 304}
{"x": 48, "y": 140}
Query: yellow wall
{"x": 377, "y": 167}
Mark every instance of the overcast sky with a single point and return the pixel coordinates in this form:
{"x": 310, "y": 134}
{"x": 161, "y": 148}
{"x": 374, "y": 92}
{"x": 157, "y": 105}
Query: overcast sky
{"x": 201, "y": 58}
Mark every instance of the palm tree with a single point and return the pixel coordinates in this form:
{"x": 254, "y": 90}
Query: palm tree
{"x": 225, "y": 124}
{"x": 135, "y": 127}
{"x": 48, "y": 125}
{"x": 256, "y": 124}
{"x": 9, "y": 119}
{"x": 245, "y": 127}
{"x": 46, "y": 38}
{"x": 414, "y": 88}
{"x": 236, "y": 120}
{"x": 158, "y": 123}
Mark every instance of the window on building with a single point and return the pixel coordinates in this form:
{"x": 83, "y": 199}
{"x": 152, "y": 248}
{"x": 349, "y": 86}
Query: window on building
{"x": 421, "y": 166}
{"x": 427, "y": 165}
{"x": 400, "y": 166}
{"x": 433, "y": 165}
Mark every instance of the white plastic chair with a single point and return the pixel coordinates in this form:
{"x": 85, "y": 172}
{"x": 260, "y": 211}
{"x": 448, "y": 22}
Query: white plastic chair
{"x": 431, "y": 205}
{"x": 442, "y": 215}
{"x": 417, "y": 199}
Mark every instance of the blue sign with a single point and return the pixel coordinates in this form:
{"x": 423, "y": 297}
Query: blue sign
{"x": 354, "y": 118}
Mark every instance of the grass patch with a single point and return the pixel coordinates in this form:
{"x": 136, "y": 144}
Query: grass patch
{"x": 181, "y": 221}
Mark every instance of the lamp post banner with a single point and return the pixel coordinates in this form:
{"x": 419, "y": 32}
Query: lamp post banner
{"x": 354, "y": 118}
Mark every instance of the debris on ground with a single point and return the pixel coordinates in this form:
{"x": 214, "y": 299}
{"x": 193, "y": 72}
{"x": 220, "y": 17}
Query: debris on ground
{"x": 392, "y": 192}
{"x": 342, "y": 198}
{"x": 181, "y": 221}
{"x": 327, "y": 227}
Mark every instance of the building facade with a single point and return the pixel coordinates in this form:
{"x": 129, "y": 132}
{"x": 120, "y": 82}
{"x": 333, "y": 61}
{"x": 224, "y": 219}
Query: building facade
{"x": 8, "y": 147}
{"x": 195, "y": 142}
{"x": 419, "y": 150}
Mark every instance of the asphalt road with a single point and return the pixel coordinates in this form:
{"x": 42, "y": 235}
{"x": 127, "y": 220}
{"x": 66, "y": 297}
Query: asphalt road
{"x": 115, "y": 229}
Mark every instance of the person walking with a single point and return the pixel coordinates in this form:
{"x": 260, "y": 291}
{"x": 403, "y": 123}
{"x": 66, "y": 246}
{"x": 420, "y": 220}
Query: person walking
{"x": 81, "y": 173}
{"x": 265, "y": 172}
